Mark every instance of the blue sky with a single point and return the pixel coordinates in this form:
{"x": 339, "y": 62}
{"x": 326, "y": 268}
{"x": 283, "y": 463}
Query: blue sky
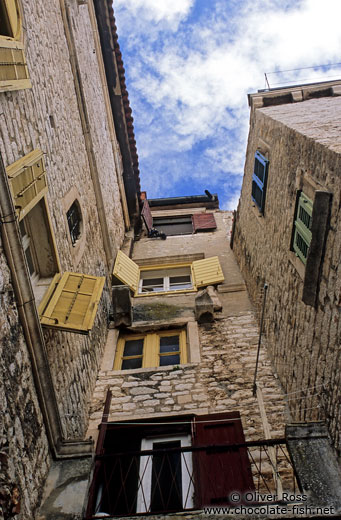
{"x": 189, "y": 66}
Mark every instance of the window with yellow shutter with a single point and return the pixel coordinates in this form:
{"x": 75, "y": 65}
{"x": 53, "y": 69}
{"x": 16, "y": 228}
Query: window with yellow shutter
{"x": 13, "y": 67}
{"x": 66, "y": 301}
{"x": 157, "y": 279}
{"x": 162, "y": 348}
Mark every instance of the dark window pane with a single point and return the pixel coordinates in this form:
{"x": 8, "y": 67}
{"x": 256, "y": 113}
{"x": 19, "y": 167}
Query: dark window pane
{"x": 152, "y": 284}
{"x": 29, "y": 260}
{"x": 133, "y": 347}
{"x": 169, "y": 344}
{"x": 131, "y": 363}
{"x": 172, "y": 229}
{"x": 180, "y": 282}
{"x": 169, "y": 360}
{"x": 74, "y": 221}
{"x": 166, "y": 494}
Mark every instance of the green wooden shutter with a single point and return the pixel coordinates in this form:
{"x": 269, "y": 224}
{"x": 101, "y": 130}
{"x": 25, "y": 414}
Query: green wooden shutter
{"x": 303, "y": 222}
{"x": 28, "y": 183}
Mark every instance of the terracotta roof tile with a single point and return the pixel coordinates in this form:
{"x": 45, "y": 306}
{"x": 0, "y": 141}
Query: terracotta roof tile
{"x": 125, "y": 98}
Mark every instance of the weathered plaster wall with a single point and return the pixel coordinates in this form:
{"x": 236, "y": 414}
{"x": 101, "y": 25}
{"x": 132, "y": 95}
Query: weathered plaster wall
{"x": 303, "y": 140}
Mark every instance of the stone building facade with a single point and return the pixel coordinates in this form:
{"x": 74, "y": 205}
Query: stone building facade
{"x": 217, "y": 374}
{"x": 295, "y": 137}
{"x": 69, "y": 192}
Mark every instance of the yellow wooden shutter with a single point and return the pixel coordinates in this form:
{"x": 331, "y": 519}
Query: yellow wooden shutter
{"x": 27, "y": 178}
{"x": 207, "y": 272}
{"x": 12, "y": 11}
{"x": 73, "y": 304}
{"x": 127, "y": 271}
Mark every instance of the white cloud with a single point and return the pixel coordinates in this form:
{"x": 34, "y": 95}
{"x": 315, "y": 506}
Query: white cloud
{"x": 157, "y": 10}
{"x": 194, "y": 82}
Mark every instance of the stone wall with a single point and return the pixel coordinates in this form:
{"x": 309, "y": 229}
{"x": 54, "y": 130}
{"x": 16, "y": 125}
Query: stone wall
{"x": 303, "y": 143}
{"x": 23, "y": 444}
{"x": 48, "y": 117}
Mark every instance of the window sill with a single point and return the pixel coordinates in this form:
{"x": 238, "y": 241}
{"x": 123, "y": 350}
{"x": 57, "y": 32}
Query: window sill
{"x": 168, "y": 368}
{"x": 162, "y": 293}
{"x": 258, "y": 214}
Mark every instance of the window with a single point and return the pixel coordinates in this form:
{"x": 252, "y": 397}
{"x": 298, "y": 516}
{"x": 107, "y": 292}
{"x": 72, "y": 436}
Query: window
{"x": 151, "y": 350}
{"x": 13, "y": 68}
{"x": 302, "y": 227}
{"x": 74, "y": 220}
{"x": 160, "y": 279}
{"x": 259, "y": 181}
{"x": 69, "y": 301}
{"x": 150, "y": 466}
{"x": 174, "y": 225}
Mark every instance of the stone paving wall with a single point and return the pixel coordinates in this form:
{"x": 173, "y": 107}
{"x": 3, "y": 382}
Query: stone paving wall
{"x": 304, "y": 144}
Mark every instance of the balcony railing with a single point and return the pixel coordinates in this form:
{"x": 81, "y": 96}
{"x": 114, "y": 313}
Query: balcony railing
{"x": 169, "y": 480}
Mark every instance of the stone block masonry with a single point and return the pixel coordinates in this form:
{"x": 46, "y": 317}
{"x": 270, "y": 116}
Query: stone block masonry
{"x": 221, "y": 382}
{"x": 304, "y": 153}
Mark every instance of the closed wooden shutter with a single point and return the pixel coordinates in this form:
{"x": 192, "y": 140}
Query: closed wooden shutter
{"x": 72, "y": 302}
{"x": 28, "y": 182}
{"x": 127, "y": 271}
{"x": 219, "y": 473}
{"x": 207, "y": 272}
{"x": 203, "y": 222}
{"x": 147, "y": 215}
{"x": 303, "y": 223}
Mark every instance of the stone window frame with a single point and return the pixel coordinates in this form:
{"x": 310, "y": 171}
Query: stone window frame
{"x": 77, "y": 249}
{"x": 310, "y": 272}
{"x": 193, "y": 350}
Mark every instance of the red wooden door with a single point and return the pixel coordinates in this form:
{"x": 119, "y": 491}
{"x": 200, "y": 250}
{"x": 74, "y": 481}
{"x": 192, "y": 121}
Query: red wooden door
{"x": 219, "y": 473}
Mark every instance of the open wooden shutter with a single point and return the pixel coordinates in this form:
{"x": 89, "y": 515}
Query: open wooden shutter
{"x": 219, "y": 473}
{"x": 303, "y": 223}
{"x": 127, "y": 271}
{"x": 207, "y": 272}
{"x": 259, "y": 180}
{"x": 71, "y": 302}
{"x": 203, "y": 222}
{"x": 13, "y": 16}
{"x": 147, "y": 215}
{"x": 28, "y": 182}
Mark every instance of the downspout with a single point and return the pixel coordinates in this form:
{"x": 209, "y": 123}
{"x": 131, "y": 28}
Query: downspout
{"x": 32, "y": 329}
{"x": 83, "y": 113}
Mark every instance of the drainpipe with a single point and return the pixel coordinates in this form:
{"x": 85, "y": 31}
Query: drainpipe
{"x": 32, "y": 329}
